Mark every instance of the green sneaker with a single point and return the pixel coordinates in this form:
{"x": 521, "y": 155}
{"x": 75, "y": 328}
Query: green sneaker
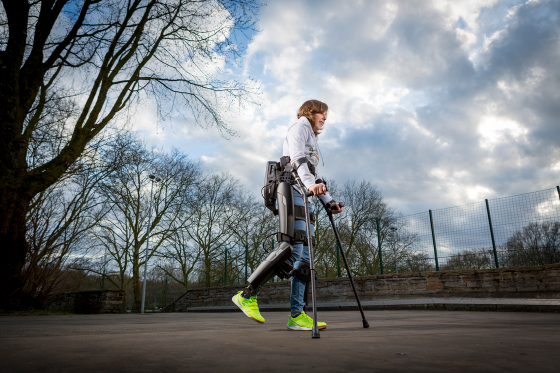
{"x": 303, "y": 322}
{"x": 248, "y": 306}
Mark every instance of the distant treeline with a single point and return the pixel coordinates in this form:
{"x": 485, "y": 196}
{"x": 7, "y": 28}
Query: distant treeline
{"x": 90, "y": 229}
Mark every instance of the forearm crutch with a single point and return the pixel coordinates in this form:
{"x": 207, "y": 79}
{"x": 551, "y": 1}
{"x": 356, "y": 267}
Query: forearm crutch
{"x": 330, "y": 215}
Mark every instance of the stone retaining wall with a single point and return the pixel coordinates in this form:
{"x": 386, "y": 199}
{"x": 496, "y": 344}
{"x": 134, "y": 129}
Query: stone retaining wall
{"x": 542, "y": 282}
{"x": 94, "y": 301}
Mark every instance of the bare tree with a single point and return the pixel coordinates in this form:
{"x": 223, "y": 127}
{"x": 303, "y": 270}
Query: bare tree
{"x": 252, "y": 229}
{"x": 60, "y": 218}
{"x": 213, "y": 211}
{"x": 180, "y": 250}
{"x": 119, "y": 52}
{"x": 364, "y": 205}
{"x": 416, "y": 262}
{"x": 470, "y": 259}
{"x": 399, "y": 247}
{"x": 535, "y": 244}
{"x": 58, "y": 225}
{"x": 124, "y": 231}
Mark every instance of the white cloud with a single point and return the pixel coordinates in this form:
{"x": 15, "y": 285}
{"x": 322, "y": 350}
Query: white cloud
{"x": 438, "y": 105}
{"x": 469, "y": 11}
{"x": 547, "y": 209}
{"x": 495, "y": 130}
{"x": 479, "y": 192}
{"x": 467, "y": 39}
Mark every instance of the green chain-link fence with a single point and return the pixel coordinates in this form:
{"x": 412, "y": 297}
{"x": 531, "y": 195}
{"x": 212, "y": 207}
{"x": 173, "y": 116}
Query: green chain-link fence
{"x": 521, "y": 230}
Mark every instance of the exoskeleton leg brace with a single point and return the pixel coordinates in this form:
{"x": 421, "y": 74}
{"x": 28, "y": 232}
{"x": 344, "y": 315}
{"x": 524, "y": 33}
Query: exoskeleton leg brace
{"x": 279, "y": 198}
{"x": 277, "y": 262}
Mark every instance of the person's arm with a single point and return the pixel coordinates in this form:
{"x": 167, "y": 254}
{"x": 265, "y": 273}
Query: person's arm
{"x": 337, "y": 208}
{"x": 297, "y": 137}
{"x": 325, "y": 197}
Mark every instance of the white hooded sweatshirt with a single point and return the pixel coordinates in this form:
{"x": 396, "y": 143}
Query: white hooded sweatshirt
{"x": 301, "y": 142}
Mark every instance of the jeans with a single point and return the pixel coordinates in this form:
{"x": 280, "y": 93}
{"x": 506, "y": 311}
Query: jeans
{"x": 301, "y": 254}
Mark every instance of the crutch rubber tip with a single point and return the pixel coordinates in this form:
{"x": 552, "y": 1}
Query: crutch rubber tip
{"x": 315, "y": 335}
{"x": 366, "y": 325}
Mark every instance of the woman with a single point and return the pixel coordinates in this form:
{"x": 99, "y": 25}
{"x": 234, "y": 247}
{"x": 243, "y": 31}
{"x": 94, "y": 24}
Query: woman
{"x": 300, "y": 142}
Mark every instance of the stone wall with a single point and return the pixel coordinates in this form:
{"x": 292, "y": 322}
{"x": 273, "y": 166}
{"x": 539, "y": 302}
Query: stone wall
{"x": 94, "y": 301}
{"x": 542, "y": 282}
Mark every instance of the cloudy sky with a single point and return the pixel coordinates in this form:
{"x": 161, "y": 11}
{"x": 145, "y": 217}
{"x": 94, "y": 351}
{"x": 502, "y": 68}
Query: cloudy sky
{"x": 438, "y": 103}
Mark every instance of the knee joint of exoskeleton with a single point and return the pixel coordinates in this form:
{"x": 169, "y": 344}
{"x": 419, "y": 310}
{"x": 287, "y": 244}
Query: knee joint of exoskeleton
{"x": 303, "y": 272}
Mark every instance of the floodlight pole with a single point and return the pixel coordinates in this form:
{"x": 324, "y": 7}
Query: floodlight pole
{"x": 152, "y": 177}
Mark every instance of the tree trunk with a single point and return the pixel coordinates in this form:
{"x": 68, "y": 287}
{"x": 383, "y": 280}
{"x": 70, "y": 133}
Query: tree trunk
{"x": 207, "y": 265}
{"x": 185, "y": 279}
{"x": 13, "y": 206}
{"x": 137, "y": 287}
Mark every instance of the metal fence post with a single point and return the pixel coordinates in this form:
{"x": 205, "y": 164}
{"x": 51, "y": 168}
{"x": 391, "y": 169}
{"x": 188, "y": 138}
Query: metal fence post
{"x": 246, "y": 260}
{"x": 434, "y": 240}
{"x": 379, "y": 246}
{"x": 492, "y": 234}
{"x": 393, "y": 229}
{"x": 337, "y": 260}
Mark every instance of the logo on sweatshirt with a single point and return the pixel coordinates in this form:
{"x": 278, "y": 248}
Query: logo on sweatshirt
{"x": 313, "y": 156}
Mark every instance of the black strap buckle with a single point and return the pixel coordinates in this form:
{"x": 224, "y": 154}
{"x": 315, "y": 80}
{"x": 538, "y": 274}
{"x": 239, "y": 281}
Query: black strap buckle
{"x": 282, "y": 237}
{"x": 303, "y": 272}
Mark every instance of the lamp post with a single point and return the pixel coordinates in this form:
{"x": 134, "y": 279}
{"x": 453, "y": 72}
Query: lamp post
{"x": 152, "y": 178}
{"x": 393, "y": 230}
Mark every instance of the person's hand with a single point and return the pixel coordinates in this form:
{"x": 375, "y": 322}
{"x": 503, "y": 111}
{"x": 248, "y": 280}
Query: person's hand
{"x": 318, "y": 189}
{"x": 338, "y": 209}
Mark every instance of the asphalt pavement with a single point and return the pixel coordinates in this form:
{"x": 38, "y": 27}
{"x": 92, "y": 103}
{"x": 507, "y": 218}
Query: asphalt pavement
{"x": 397, "y": 341}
